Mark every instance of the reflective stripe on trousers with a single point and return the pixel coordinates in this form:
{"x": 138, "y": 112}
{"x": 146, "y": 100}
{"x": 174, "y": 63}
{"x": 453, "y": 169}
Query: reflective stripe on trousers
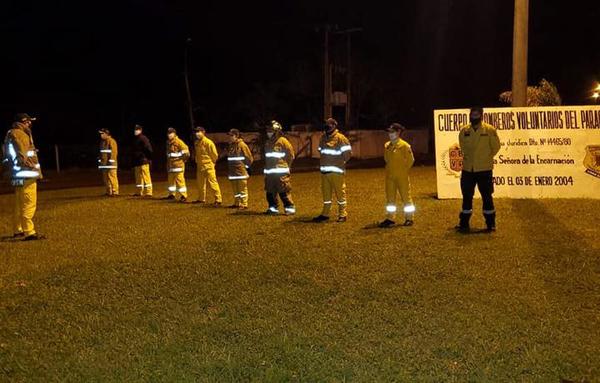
{"x": 394, "y": 186}
{"x": 111, "y": 181}
{"x": 333, "y": 183}
{"x": 25, "y": 206}
{"x": 176, "y": 184}
{"x": 143, "y": 179}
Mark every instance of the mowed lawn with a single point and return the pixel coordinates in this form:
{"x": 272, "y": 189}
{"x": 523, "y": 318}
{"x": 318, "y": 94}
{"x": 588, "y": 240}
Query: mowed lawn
{"x": 148, "y": 290}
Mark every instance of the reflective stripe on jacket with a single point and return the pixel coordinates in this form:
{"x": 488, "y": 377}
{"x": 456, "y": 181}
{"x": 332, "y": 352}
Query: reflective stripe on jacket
{"x": 21, "y": 154}
{"x": 335, "y": 150}
{"x": 177, "y": 154}
{"x": 279, "y": 155}
{"x": 239, "y": 158}
{"x": 108, "y": 154}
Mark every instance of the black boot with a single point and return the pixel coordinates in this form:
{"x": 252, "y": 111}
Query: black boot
{"x": 490, "y": 221}
{"x": 463, "y": 224}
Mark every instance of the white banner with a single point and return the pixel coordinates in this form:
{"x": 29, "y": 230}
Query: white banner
{"x": 546, "y": 152}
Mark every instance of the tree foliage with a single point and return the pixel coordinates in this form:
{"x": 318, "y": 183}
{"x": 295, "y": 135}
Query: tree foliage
{"x": 544, "y": 94}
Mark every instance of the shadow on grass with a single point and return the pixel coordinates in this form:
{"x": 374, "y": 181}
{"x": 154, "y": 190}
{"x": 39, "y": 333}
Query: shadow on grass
{"x": 251, "y": 213}
{"x": 20, "y": 239}
{"x": 540, "y": 226}
{"x": 306, "y": 219}
{"x": 80, "y": 198}
{"x": 10, "y": 238}
{"x": 375, "y": 226}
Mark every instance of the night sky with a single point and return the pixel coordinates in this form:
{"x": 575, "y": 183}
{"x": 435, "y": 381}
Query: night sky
{"x": 81, "y": 65}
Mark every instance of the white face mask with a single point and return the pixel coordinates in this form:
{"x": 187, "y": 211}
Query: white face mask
{"x": 270, "y": 134}
{"x": 137, "y": 132}
{"x": 199, "y": 135}
{"x": 393, "y": 136}
{"x": 171, "y": 136}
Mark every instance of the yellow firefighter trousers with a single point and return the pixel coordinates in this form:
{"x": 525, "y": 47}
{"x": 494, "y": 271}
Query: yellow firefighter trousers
{"x": 176, "y": 183}
{"x": 25, "y": 204}
{"x": 111, "y": 182}
{"x": 143, "y": 181}
{"x": 240, "y": 192}
{"x": 333, "y": 183}
{"x": 398, "y": 184}
{"x": 208, "y": 176}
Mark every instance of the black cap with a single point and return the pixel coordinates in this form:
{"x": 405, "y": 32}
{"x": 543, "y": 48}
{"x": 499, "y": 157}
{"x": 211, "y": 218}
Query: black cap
{"x": 331, "y": 121}
{"x": 234, "y": 132}
{"x": 105, "y": 131}
{"x": 477, "y": 109}
{"x": 138, "y": 127}
{"x": 20, "y": 117}
{"x": 396, "y": 127}
{"x": 171, "y": 130}
{"x": 199, "y": 129}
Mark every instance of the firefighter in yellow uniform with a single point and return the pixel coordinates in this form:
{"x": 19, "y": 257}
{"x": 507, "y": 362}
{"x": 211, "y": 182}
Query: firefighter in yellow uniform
{"x": 20, "y": 155}
{"x": 398, "y": 161}
{"x": 206, "y": 156}
{"x": 177, "y": 155}
{"x": 239, "y": 160}
{"x": 335, "y": 151}
{"x": 479, "y": 144}
{"x": 279, "y": 155}
{"x": 107, "y": 163}
{"x": 141, "y": 160}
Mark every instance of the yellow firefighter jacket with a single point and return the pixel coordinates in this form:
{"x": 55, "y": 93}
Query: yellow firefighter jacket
{"x": 478, "y": 146}
{"x": 239, "y": 158}
{"x": 21, "y": 154}
{"x": 398, "y": 158}
{"x": 335, "y": 151}
{"x": 177, "y": 155}
{"x": 205, "y": 154}
{"x": 279, "y": 155}
{"x": 108, "y": 154}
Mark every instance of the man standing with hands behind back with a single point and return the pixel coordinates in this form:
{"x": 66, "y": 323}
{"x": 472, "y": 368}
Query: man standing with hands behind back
{"x": 142, "y": 157}
{"x": 479, "y": 144}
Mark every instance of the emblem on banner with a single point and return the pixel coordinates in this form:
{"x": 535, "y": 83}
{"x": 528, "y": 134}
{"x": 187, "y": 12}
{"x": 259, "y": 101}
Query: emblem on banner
{"x": 452, "y": 160}
{"x": 592, "y": 160}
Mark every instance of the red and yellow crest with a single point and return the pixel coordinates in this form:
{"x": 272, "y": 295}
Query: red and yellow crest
{"x": 452, "y": 160}
{"x": 455, "y": 158}
{"x": 592, "y": 160}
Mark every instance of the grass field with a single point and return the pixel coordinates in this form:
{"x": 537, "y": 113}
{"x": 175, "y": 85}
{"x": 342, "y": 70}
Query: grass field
{"x": 148, "y": 290}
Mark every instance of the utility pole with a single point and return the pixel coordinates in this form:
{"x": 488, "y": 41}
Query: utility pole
{"x": 520, "y": 47}
{"x": 327, "y": 68}
{"x": 348, "y": 33}
{"x": 326, "y": 77}
{"x": 188, "y": 42}
{"x": 348, "y": 80}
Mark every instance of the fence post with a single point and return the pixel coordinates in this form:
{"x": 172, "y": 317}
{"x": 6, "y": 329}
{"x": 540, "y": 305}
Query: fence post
{"x": 56, "y": 158}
